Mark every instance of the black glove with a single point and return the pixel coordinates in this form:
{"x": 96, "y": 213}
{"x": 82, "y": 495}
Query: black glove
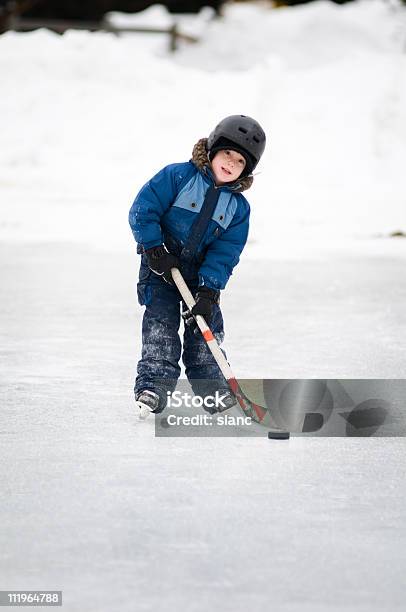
{"x": 205, "y": 300}
{"x": 161, "y": 261}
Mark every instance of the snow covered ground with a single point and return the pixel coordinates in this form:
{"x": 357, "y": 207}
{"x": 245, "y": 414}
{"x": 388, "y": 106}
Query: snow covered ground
{"x": 94, "y": 504}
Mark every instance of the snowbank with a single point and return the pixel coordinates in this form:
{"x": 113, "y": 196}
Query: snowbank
{"x": 88, "y": 118}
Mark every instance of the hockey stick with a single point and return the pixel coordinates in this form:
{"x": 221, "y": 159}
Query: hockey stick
{"x": 258, "y": 413}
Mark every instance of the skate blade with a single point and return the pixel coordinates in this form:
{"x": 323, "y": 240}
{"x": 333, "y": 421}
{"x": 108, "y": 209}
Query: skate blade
{"x": 143, "y": 411}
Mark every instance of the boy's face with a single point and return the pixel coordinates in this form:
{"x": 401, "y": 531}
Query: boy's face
{"x": 227, "y": 166}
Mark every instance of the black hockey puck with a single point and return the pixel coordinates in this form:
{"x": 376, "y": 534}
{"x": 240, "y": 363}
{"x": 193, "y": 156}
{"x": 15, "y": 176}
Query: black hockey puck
{"x": 278, "y": 435}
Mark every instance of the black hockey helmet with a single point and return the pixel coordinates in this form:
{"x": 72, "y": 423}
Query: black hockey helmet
{"x": 242, "y": 131}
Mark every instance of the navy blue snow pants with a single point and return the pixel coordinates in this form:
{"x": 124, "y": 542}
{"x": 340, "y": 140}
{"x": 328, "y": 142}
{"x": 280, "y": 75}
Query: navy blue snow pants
{"x": 158, "y": 368}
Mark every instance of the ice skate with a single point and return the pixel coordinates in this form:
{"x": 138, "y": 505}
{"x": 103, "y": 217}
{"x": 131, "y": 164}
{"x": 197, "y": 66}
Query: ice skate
{"x": 226, "y": 400}
{"x": 146, "y": 403}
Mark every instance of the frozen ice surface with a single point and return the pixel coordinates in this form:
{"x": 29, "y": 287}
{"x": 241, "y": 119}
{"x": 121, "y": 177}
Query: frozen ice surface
{"x": 95, "y": 505}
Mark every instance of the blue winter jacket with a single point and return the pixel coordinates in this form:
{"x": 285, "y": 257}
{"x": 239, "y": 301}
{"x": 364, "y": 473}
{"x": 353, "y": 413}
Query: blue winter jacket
{"x": 166, "y": 207}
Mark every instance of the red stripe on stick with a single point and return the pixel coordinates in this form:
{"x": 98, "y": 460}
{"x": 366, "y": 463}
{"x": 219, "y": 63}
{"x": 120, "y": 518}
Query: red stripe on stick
{"x": 233, "y": 385}
{"x": 207, "y": 335}
{"x": 243, "y": 401}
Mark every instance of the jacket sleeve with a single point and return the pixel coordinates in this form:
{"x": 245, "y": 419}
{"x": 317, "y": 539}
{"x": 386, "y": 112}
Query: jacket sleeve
{"x": 224, "y": 253}
{"x": 151, "y": 203}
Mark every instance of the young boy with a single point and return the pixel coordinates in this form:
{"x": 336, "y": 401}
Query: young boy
{"x": 191, "y": 216}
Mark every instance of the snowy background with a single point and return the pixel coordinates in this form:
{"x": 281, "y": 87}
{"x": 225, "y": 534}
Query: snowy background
{"x": 94, "y": 504}
{"x": 88, "y": 118}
